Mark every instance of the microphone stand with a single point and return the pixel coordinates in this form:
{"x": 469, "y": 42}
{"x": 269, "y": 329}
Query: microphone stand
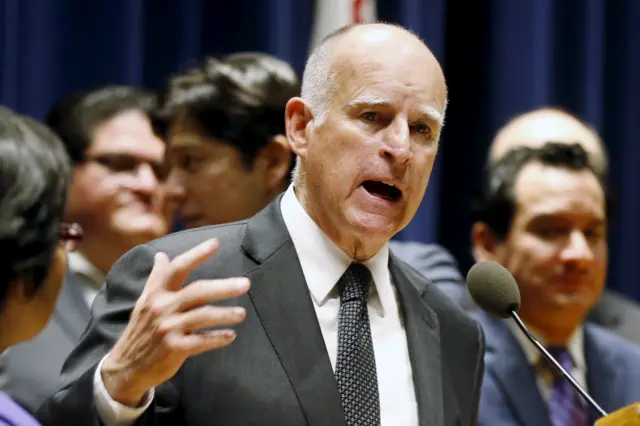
{"x": 557, "y": 366}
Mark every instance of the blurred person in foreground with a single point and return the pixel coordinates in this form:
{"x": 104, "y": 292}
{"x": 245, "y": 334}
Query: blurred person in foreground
{"x": 335, "y": 330}
{"x": 34, "y": 178}
{"x": 543, "y": 214}
{"x": 613, "y": 310}
{"x": 117, "y": 169}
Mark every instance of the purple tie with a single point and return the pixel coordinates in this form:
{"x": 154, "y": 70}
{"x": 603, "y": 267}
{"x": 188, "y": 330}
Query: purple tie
{"x": 566, "y": 406}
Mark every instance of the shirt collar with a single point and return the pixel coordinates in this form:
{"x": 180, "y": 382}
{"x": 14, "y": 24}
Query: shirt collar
{"x": 575, "y": 345}
{"x": 80, "y": 265}
{"x": 322, "y": 261}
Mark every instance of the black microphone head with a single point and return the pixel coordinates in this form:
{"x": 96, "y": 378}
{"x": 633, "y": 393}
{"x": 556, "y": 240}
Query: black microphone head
{"x": 493, "y": 288}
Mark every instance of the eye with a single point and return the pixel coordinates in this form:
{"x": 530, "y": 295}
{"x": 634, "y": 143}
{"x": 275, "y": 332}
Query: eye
{"x": 421, "y": 128}
{"x": 189, "y": 162}
{"x": 369, "y": 116}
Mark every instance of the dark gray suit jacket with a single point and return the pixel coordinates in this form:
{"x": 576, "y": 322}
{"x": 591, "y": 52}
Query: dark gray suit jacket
{"x": 510, "y": 393}
{"x": 30, "y": 371}
{"x": 277, "y": 371}
{"x": 615, "y": 312}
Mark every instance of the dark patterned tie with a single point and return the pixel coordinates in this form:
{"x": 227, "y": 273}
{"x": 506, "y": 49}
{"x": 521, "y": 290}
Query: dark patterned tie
{"x": 356, "y": 364}
{"x": 566, "y": 406}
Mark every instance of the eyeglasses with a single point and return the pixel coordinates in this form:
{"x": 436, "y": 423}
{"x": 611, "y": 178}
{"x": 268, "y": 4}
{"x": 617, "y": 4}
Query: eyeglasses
{"x": 122, "y": 163}
{"x": 70, "y": 234}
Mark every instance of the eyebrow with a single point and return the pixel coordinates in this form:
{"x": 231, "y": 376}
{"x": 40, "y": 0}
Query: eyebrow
{"x": 550, "y": 217}
{"x": 369, "y": 100}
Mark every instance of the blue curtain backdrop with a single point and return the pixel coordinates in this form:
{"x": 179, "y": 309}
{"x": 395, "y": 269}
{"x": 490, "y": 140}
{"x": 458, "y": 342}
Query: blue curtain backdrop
{"x": 501, "y": 57}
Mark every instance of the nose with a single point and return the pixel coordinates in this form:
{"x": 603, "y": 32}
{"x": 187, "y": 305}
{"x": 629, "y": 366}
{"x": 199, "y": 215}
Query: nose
{"x": 146, "y": 180}
{"x": 577, "y": 249}
{"x": 396, "y": 144}
{"x": 174, "y": 186}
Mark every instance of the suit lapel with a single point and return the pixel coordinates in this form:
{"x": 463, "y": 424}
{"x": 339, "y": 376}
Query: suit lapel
{"x": 281, "y": 298}
{"x": 423, "y": 339}
{"x": 505, "y": 361}
{"x": 602, "y": 378}
{"x": 72, "y": 312}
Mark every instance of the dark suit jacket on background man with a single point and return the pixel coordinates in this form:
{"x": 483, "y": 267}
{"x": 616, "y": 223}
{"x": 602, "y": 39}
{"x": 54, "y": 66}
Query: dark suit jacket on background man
{"x": 510, "y": 395}
{"x": 277, "y": 371}
{"x": 613, "y": 311}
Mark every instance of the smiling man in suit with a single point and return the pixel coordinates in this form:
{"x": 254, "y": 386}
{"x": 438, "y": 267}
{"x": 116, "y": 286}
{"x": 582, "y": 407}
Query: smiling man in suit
{"x": 613, "y": 310}
{"x": 543, "y": 215}
{"x": 334, "y": 330}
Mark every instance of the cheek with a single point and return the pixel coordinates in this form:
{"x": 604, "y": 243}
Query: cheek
{"x": 531, "y": 261}
{"x": 421, "y": 169}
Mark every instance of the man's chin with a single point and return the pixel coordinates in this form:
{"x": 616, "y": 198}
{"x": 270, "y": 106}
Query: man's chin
{"x": 373, "y": 226}
{"x": 573, "y": 300}
{"x": 145, "y": 229}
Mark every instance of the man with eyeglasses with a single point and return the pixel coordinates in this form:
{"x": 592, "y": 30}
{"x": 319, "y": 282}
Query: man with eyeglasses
{"x": 115, "y": 197}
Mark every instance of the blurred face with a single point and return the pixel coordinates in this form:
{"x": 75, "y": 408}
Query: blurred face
{"x": 367, "y": 164}
{"x": 209, "y": 182}
{"x": 557, "y": 248}
{"x": 113, "y": 192}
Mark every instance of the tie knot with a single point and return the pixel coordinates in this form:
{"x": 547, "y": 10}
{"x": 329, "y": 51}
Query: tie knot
{"x": 562, "y": 355}
{"x": 355, "y": 283}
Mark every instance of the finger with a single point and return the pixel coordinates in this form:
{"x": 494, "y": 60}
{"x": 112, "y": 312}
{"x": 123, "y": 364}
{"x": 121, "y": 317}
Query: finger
{"x": 159, "y": 272}
{"x": 194, "y": 344}
{"x": 204, "y": 317}
{"x": 181, "y": 266}
{"x": 207, "y": 291}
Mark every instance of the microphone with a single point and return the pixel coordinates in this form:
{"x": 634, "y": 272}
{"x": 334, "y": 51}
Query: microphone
{"x": 494, "y": 289}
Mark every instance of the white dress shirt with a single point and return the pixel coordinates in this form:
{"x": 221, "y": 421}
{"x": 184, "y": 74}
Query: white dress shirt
{"x": 575, "y": 346}
{"x": 87, "y": 274}
{"x": 323, "y": 263}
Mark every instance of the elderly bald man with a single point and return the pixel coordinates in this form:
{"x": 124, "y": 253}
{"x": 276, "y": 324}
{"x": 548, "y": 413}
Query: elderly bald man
{"x": 533, "y": 129}
{"x": 334, "y": 330}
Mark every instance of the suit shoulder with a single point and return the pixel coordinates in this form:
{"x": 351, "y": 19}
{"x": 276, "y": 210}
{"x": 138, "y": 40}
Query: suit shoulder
{"x": 415, "y": 246}
{"x": 229, "y": 235}
{"x": 616, "y": 301}
{"x": 613, "y": 342}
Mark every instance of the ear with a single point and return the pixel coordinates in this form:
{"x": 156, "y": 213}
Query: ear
{"x": 486, "y": 246}
{"x": 274, "y": 161}
{"x": 297, "y": 117}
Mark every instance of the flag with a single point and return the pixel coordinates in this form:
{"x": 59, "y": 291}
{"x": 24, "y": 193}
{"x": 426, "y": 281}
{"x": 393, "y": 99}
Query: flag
{"x": 333, "y": 14}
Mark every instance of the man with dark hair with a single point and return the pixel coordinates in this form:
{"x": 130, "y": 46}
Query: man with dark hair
{"x": 224, "y": 125}
{"x": 335, "y": 330}
{"x": 117, "y": 168}
{"x": 532, "y": 129}
{"x": 543, "y": 215}
{"x": 34, "y": 177}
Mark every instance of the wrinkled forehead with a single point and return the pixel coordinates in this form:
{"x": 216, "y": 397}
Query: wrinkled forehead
{"x": 400, "y": 74}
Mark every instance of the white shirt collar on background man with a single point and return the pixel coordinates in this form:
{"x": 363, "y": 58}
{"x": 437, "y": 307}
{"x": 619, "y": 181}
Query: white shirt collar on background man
{"x": 575, "y": 346}
{"x": 323, "y": 264}
{"x": 87, "y": 274}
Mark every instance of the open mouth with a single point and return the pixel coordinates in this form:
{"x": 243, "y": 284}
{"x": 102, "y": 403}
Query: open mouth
{"x": 382, "y": 190}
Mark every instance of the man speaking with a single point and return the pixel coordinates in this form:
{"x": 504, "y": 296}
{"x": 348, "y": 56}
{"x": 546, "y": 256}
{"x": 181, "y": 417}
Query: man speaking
{"x": 327, "y": 328}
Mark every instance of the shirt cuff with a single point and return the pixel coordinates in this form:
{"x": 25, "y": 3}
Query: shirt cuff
{"x": 111, "y": 412}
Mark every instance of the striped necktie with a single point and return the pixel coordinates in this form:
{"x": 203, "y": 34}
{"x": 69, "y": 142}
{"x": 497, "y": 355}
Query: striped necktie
{"x": 566, "y": 406}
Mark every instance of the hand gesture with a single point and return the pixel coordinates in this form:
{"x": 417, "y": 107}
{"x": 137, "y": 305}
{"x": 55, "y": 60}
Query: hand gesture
{"x": 171, "y": 323}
